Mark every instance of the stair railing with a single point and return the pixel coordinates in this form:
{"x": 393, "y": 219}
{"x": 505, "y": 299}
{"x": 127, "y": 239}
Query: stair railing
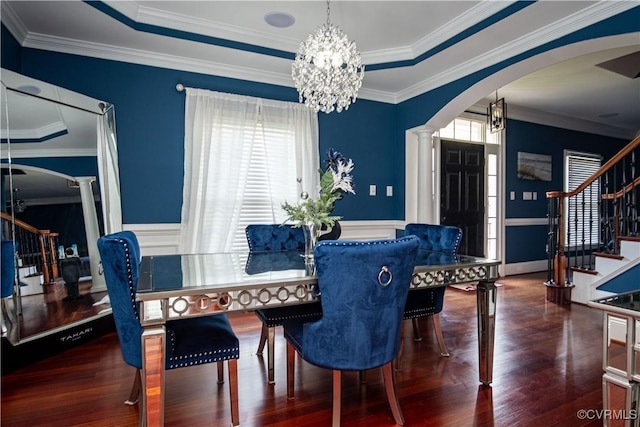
{"x": 573, "y": 242}
{"x": 35, "y": 247}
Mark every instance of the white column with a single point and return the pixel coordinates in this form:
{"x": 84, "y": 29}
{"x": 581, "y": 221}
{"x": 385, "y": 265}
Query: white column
{"x": 92, "y": 231}
{"x": 425, "y": 177}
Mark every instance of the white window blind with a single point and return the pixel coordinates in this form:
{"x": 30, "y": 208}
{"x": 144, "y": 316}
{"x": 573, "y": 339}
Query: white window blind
{"x": 244, "y": 157}
{"x": 270, "y": 179}
{"x": 582, "y": 221}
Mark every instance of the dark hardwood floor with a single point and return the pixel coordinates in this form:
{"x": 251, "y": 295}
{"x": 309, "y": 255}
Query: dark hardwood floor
{"x": 548, "y": 366}
{"x": 46, "y": 311}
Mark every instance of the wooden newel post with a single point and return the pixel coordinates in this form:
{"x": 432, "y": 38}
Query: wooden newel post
{"x": 559, "y": 290}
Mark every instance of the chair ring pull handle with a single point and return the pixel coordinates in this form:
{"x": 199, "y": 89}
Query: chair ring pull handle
{"x": 385, "y": 271}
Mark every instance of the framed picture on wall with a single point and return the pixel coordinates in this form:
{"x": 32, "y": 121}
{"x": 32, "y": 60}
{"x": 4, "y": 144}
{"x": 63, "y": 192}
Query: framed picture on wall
{"x": 535, "y": 167}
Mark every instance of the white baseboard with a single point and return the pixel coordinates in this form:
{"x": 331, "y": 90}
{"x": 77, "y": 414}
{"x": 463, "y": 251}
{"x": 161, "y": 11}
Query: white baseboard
{"x": 525, "y": 267}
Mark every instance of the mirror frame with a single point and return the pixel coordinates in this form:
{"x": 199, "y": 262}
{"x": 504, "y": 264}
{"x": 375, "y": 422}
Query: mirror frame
{"x": 108, "y": 179}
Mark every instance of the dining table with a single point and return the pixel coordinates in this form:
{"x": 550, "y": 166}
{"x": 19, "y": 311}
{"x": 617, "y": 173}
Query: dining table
{"x": 174, "y": 287}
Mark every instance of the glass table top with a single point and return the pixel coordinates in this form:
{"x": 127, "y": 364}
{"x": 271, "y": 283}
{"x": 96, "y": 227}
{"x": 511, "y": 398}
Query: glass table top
{"x": 172, "y": 272}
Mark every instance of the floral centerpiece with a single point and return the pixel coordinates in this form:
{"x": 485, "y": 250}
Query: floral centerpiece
{"x": 313, "y": 214}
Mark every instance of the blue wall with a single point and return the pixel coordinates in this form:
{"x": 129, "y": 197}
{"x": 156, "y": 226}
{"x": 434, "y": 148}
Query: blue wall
{"x": 528, "y": 243}
{"x": 150, "y": 128}
{"x": 149, "y": 118}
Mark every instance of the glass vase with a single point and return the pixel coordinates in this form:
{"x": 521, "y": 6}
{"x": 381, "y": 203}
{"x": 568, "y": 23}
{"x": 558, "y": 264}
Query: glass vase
{"x": 310, "y": 240}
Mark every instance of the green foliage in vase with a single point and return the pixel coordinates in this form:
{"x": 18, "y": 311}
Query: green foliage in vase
{"x": 335, "y": 180}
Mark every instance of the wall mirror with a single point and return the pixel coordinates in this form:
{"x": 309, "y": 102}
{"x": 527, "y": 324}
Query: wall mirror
{"x": 60, "y": 189}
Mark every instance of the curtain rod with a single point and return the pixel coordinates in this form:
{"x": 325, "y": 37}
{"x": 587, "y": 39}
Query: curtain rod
{"x": 180, "y": 87}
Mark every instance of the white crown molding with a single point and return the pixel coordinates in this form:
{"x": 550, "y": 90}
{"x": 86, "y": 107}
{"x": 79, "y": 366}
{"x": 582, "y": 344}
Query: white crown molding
{"x": 585, "y": 17}
{"x": 12, "y": 22}
{"x": 560, "y": 28}
{"x": 141, "y": 57}
{"x": 30, "y": 153}
{"x": 210, "y": 28}
{"x": 451, "y": 29}
{"x": 40, "y": 133}
{"x": 382, "y": 56}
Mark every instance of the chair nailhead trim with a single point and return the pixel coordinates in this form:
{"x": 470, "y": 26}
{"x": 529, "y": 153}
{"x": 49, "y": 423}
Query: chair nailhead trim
{"x": 363, "y": 243}
{"x": 181, "y": 361}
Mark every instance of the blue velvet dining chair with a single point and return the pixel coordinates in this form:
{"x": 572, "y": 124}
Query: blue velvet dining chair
{"x": 190, "y": 341}
{"x": 442, "y": 239}
{"x": 270, "y": 238}
{"x": 363, "y": 288}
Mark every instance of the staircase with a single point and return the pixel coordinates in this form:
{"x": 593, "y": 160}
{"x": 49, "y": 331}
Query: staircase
{"x": 596, "y": 251}
{"x": 36, "y": 254}
{"x": 612, "y": 274}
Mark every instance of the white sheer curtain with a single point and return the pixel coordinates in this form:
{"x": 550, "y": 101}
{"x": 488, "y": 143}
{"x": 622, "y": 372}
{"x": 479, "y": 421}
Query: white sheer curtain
{"x": 236, "y": 149}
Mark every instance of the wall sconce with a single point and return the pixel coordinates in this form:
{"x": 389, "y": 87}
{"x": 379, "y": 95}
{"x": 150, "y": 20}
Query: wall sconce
{"x": 497, "y": 115}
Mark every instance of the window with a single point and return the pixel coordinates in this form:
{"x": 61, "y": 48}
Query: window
{"x": 581, "y": 211}
{"x": 269, "y": 168}
{"x": 244, "y": 157}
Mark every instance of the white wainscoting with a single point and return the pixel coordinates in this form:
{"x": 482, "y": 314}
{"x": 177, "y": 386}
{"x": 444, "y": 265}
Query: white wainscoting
{"x": 162, "y": 239}
{"x": 527, "y": 266}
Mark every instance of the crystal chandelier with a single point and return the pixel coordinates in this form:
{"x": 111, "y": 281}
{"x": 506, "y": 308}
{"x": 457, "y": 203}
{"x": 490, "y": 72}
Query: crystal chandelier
{"x": 328, "y": 70}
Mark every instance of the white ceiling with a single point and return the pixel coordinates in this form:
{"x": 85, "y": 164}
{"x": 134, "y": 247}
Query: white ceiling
{"x": 451, "y": 35}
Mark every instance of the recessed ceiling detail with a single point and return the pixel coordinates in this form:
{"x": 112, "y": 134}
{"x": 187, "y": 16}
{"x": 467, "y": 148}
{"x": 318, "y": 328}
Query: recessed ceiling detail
{"x": 627, "y": 65}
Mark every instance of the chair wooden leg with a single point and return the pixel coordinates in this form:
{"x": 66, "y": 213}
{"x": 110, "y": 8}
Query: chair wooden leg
{"x": 390, "y": 387}
{"x": 416, "y": 329}
{"x": 271, "y": 339}
{"x": 263, "y": 339}
{"x": 397, "y": 362}
{"x": 337, "y": 397}
{"x": 233, "y": 391}
{"x": 220, "y": 372}
{"x": 291, "y": 360}
{"x": 134, "y": 396}
{"x": 439, "y": 337}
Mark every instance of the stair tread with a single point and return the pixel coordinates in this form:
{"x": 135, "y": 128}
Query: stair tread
{"x": 608, "y": 255}
{"x": 584, "y": 270}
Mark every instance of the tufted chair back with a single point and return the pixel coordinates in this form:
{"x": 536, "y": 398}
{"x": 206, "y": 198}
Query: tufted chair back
{"x": 189, "y": 341}
{"x": 274, "y": 237}
{"x": 435, "y": 237}
{"x": 362, "y": 313}
{"x": 120, "y": 255}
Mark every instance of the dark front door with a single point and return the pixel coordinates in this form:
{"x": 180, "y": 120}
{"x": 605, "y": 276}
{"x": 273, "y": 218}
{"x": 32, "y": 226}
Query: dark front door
{"x": 462, "y": 193}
